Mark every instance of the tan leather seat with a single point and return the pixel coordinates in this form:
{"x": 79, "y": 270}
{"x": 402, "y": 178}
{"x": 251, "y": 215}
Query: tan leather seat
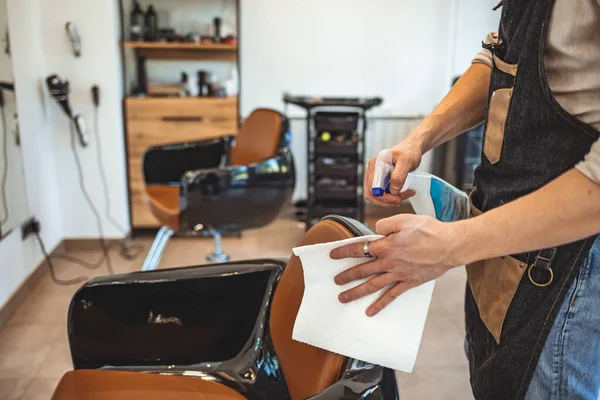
{"x": 307, "y": 370}
{"x": 163, "y": 201}
{"x": 119, "y": 385}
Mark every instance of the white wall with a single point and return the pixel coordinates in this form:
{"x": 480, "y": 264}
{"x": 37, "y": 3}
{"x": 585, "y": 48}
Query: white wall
{"x": 16, "y": 198}
{"x": 475, "y": 20}
{"x": 402, "y": 50}
{"x": 17, "y": 258}
{"x": 386, "y": 48}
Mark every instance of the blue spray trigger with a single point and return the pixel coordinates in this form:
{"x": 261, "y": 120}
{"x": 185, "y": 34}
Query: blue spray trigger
{"x": 382, "y": 175}
{"x": 377, "y": 192}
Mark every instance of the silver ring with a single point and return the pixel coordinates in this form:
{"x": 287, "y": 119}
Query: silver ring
{"x": 366, "y": 250}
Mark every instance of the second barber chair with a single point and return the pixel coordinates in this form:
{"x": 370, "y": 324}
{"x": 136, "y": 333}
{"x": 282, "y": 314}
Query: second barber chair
{"x": 217, "y": 185}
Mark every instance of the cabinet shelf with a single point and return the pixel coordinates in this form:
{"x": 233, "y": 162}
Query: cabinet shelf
{"x": 180, "y": 46}
{"x": 184, "y": 51}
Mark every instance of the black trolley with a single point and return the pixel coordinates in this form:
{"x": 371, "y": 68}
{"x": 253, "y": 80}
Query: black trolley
{"x": 335, "y": 134}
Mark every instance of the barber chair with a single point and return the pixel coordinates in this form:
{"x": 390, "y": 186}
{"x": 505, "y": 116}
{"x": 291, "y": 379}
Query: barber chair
{"x": 219, "y": 185}
{"x": 221, "y": 331}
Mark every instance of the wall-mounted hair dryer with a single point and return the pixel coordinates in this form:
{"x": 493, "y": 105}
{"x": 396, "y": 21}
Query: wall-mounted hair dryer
{"x": 59, "y": 90}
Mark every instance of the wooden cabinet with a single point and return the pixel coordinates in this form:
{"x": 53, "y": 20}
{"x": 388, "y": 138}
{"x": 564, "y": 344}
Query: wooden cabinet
{"x": 159, "y": 121}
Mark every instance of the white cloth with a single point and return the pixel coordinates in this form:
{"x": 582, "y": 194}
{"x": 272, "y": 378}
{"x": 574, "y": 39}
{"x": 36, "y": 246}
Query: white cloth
{"x": 391, "y": 338}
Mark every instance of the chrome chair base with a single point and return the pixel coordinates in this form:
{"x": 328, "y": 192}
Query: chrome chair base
{"x": 217, "y": 258}
{"x": 217, "y": 255}
{"x": 158, "y": 248}
{"x": 162, "y": 239}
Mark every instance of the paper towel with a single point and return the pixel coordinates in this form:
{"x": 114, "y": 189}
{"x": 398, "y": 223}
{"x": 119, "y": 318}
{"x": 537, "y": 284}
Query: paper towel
{"x": 391, "y": 338}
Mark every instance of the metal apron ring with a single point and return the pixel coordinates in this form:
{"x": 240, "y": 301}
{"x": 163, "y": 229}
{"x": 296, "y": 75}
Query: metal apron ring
{"x": 543, "y": 261}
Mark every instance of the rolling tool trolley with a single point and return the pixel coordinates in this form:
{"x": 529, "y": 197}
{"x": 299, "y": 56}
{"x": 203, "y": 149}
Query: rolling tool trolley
{"x": 336, "y": 145}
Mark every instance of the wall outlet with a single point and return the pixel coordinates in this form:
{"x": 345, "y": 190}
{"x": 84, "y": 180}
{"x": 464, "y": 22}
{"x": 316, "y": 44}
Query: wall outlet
{"x": 30, "y": 227}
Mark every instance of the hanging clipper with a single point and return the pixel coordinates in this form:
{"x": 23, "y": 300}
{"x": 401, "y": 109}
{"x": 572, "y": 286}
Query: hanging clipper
{"x": 59, "y": 90}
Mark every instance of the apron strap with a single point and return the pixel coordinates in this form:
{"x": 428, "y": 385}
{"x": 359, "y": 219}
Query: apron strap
{"x": 543, "y": 261}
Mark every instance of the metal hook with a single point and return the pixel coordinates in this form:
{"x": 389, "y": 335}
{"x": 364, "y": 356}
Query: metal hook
{"x": 549, "y": 269}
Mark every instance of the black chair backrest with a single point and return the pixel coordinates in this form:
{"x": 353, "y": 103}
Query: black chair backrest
{"x": 161, "y": 167}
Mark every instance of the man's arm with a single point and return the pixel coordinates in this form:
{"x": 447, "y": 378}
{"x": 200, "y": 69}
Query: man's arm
{"x": 463, "y": 108}
{"x": 565, "y": 210}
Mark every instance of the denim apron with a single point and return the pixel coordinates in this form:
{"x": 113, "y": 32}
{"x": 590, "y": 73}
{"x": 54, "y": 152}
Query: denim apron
{"x": 511, "y": 302}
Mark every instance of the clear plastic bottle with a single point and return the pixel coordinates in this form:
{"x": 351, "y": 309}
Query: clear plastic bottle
{"x": 433, "y": 196}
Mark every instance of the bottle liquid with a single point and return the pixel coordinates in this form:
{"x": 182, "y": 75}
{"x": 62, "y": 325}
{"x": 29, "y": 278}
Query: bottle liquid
{"x": 136, "y": 28}
{"x": 433, "y": 196}
{"x": 151, "y": 24}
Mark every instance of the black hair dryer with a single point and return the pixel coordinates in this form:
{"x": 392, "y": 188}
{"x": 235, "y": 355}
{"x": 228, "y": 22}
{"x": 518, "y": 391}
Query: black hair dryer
{"x": 59, "y": 90}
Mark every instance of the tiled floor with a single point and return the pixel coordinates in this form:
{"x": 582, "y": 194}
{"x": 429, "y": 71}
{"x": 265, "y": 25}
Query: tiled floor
{"x": 34, "y": 351}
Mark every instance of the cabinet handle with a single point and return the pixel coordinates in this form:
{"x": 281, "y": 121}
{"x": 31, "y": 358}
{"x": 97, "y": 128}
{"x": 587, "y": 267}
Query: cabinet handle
{"x": 183, "y": 119}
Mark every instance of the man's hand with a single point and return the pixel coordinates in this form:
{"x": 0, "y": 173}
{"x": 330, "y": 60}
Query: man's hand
{"x": 416, "y": 249}
{"x": 406, "y": 157}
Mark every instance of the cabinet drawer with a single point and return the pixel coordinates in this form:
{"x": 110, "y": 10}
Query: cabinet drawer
{"x": 191, "y": 109}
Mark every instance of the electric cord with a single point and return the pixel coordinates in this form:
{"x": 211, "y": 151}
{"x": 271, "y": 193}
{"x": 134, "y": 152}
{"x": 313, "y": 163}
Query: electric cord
{"x": 127, "y": 250}
{"x": 4, "y": 181}
{"x": 79, "y": 261}
{"x": 102, "y": 171}
{"x": 93, "y": 208}
{"x": 53, "y": 270}
{"x": 66, "y": 257}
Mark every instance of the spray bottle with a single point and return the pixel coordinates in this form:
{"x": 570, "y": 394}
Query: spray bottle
{"x": 433, "y": 196}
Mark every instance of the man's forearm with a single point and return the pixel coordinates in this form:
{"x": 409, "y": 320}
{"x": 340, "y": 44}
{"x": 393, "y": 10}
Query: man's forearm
{"x": 463, "y": 108}
{"x": 565, "y": 210}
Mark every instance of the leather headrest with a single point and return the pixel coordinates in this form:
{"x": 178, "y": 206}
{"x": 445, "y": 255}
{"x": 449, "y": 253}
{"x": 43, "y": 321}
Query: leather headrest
{"x": 258, "y": 138}
{"x": 308, "y": 370}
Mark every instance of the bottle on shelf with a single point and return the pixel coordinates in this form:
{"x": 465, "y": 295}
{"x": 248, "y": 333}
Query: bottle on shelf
{"x": 184, "y": 86}
{"x": 136, "y": 27}
{"x": 203, "y": 84}
{"x": 232, "y": 84}
{"x": 151, "y": 24}
{"x": 217, "y": 30}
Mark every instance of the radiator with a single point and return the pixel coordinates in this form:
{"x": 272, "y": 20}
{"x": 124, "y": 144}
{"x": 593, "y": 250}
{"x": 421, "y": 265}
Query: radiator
{"x": 382, "y": 133}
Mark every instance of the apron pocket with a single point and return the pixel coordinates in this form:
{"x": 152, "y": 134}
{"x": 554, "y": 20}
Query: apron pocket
{"x": 496, "y": 121}
{"x": 494, "y": 283}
